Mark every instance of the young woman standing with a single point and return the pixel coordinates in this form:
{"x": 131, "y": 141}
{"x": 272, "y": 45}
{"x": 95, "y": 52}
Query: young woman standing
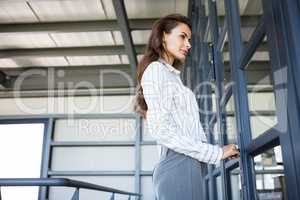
{"x": 172, "y": 113}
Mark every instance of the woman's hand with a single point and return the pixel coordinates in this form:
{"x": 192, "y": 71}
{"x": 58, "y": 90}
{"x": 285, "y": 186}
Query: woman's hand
{"x": 230, "y": 151}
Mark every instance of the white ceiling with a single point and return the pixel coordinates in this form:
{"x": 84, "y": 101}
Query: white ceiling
{"x": 38, "y": 11}
{"x": 46, "y": 11}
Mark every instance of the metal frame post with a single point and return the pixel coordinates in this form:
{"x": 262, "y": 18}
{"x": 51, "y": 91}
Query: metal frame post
{"x": 48, "y": 133}
{"x": 241, "y": 98}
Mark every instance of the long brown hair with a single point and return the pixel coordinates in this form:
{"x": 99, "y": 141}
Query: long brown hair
{"x": 155, "y": 50}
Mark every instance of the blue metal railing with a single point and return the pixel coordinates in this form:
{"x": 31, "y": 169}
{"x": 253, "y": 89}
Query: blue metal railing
{"x": 63, "y": 182}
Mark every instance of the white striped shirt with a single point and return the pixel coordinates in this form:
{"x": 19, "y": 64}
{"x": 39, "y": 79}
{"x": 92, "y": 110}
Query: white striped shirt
{"x": 173, "y": 114}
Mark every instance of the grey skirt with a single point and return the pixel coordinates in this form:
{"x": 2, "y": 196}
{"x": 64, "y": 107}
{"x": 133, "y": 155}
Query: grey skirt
{"x": 177, "y": 177}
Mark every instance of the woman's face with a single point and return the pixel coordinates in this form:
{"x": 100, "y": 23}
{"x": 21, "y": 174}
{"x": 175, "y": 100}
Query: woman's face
{"x": 177, "y": 42}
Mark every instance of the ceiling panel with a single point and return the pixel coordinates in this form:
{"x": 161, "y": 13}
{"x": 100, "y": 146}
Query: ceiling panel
{"x": 253, "y": 7}
{"x": 40, "y": 61}
{"x": 7, "y": 63}
{"x": 140, "y": 37}
{"x": 27, "y": 40}
{"x": 242, "y": 4}
{"x": 68, "y": 10}
{"x": 220, "y": 8}
{"x": 181, "y": 6}
{"x": 109, "y": 9}
{"x": 261, "y": 56}
{"x": 83, "y": 39}
{"x": 93, "y": 60}
{"x": 257, "y": 56}
{"x": 124, "y": 58}
{"x": 12, "y": 12}
{"x": 139, "y": 57}
{"x": 149, "y": 9}
{"x": 118, "y": 37}
{"x": 246, "y": 7}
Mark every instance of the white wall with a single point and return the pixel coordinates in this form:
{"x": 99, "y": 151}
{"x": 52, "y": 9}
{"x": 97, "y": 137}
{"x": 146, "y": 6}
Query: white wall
{"x": 90, "y": 158}
{"x": 110, "y": 158}
{"x": 66, "y": 105}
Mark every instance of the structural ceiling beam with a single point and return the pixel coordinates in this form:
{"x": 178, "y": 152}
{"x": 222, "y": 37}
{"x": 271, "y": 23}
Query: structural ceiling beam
{"x": 81, "y": 26}
{"x": 99, "y": 25}
{"x": 126, "y": 34}
{"x": 68, "y": 51}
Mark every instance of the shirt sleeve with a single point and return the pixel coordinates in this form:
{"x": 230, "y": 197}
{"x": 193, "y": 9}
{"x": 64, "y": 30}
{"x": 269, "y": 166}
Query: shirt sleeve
{"x": 159, "y": 89}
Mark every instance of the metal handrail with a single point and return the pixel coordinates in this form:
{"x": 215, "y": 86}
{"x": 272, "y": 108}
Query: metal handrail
{"x": 64, "y": 182}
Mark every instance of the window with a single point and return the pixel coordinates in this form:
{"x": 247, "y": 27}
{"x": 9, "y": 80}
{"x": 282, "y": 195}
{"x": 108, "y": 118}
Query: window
{"x": 270, "y": 182}
{"x": 21, "y": 153}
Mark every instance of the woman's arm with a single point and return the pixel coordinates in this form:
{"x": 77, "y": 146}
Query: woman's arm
{"x": 159, "y": 90}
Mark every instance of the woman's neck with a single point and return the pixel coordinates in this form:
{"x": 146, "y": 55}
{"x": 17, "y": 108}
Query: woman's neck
{"x": 168, "y": 58}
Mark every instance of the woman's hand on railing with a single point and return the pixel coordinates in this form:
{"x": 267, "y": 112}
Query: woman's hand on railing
{"x": 230, "y": 151}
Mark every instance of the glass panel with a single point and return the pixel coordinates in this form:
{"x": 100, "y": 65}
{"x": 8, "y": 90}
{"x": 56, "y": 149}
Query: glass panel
{"x": 229, "y": 110}
{"x": 21, "y": 153}
{"x": 226, "y": 63}
{"x": 221, "y": 14}
{"x": 261, "y": 97}
{"x": 225, "y": 70}
{"x": 258, "y": 72}
{"x": 250, "y": 12}
{"x": 212, "y": 60}
{"x": 210, "y": 84}
{"x": 206, "y": 102}
{"x": 216, "y": 134}
{"x": 206, "y": 7}
{"x": 235, "y": 183}
{"x": 270, "y": 182}
{"x": 231, "y": 131}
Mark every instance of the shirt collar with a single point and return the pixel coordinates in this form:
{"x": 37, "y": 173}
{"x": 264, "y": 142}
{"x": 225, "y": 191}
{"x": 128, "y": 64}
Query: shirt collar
{"x": 170, "y": 67}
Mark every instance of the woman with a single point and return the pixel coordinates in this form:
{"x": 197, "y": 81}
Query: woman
{"x": 171, "y": 112}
